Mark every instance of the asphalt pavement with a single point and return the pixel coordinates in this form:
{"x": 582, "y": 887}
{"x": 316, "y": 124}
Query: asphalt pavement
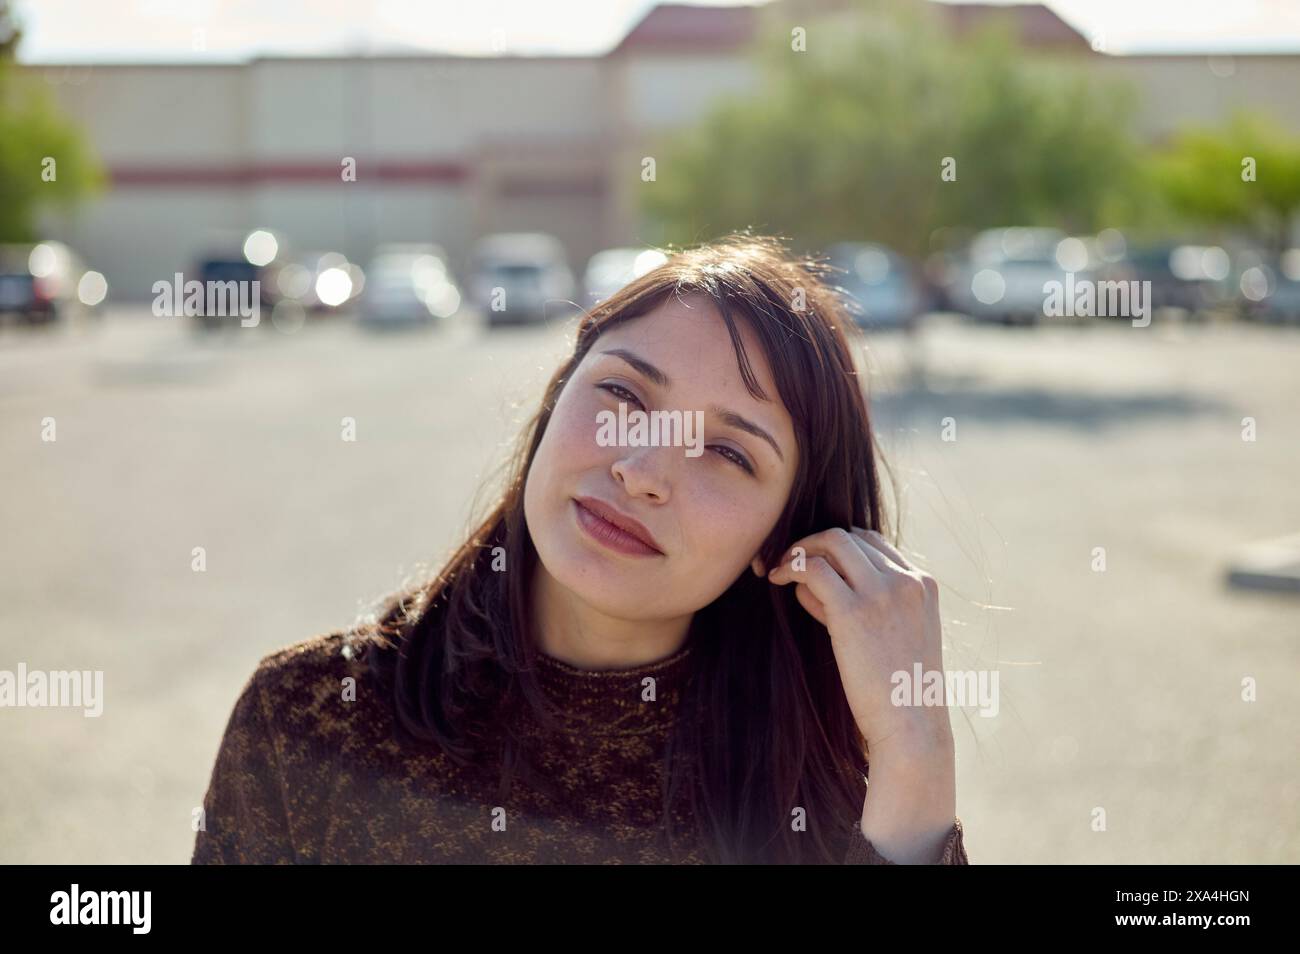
{"x": 1021, "y": 456}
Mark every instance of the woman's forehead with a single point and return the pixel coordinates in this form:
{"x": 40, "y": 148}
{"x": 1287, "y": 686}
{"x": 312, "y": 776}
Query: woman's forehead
{"x": 691, "y": 334}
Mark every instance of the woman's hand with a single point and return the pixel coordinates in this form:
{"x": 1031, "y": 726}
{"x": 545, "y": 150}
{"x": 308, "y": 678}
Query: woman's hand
{"x": 882, "y": 614}
{"x": 883, "y": 617}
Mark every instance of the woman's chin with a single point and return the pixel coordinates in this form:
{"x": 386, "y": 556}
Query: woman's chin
{"x": 589, "y": 568}
{"x": 603, "y": 583}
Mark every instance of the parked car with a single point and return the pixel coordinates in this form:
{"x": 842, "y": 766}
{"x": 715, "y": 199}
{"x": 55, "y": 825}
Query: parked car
{"x": 521, "y": 277}
{"x": 613, "y": 268}
{"x": 408, "y": 284}
{"x": 881, "y": 288}
{"x": 320, "y": 282}
{"x": 222, "y": 266}
{"x": 46, "y": 281}
{"x": 1189, "y": 278}
{"x": 229, "y": 256}
{"x": 1004, "y": 273}
{"x": 938, "y": 275}
{"x": 1268, "y": 286}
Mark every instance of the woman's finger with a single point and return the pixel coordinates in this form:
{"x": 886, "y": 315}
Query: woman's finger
{"x": 878, "y": 540}
{"x": 876, "y": 557}
{"x": 822, "y": 580}
{"x": 837, "y": 546}
{"x": 811, "y": 603}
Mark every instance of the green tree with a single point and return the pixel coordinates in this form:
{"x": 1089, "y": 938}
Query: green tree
{"x": 44, "y": 160}
{"x": 1245, "y": 175}
{"x": 1041, "y": 144}
{"x": 10, "y": 33}
{"x": 847, "y": 139}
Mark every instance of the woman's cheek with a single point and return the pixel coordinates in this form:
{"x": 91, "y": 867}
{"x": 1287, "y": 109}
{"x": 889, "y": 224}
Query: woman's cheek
{"x": 578, "y": 429}
{"x": 730, "y": 525}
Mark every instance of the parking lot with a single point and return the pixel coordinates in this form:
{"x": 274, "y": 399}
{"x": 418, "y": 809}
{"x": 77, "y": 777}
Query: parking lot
{"x": 1120, "y": 689}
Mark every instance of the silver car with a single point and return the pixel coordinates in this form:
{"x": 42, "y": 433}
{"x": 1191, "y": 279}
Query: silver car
{"x": 521, "y": 277}
{"x": 408, "y": 284}
{"x": 880, "y": 287}
{"x": 1004, "y": 274}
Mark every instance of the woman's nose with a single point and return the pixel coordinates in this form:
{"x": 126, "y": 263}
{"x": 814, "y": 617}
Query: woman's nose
{"x": 646, "y": 470}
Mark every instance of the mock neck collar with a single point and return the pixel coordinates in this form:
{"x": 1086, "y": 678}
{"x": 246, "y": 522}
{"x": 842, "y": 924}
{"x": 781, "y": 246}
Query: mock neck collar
{"x": 614, "y": 701}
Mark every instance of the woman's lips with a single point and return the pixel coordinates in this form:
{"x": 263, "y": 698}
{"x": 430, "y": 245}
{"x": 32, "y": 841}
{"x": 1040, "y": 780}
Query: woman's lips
{"x": 611, "y": 536}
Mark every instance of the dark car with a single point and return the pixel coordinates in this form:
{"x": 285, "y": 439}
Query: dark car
{"x": 230, "y": 256}
{"x": 21, "y": 294}
{"x": 43, "y": 282}
{"x": 1189, "y": 278}
{"x": 225, "y": 268}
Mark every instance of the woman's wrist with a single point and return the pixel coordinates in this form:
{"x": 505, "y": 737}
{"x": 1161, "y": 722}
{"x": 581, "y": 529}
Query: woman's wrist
{"x": 911, "y": 801}
{"x": 928, "y": 738}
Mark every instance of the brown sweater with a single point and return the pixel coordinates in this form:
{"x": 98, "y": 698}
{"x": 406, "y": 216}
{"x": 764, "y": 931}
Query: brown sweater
{"x": 307, "y": 774}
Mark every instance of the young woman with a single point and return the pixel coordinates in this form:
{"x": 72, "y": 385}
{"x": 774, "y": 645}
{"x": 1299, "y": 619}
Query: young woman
{"x": 652, "y": 649}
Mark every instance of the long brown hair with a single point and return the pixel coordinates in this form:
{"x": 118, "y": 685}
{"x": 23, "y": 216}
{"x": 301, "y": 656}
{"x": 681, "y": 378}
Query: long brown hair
{"x": 456, "y": 653}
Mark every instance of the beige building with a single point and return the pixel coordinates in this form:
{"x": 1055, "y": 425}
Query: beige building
{"x": 448, "y": 149}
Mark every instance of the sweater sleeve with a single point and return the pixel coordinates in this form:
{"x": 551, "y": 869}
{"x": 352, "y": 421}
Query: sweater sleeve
{"x": 863, "y": 852}
{"x": 244, "y": 816}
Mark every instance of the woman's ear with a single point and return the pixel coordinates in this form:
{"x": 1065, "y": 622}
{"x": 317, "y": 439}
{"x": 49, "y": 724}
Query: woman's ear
{"x": 757, "y": 566}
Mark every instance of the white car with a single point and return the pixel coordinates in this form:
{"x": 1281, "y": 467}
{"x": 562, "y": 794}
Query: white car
{"x": 1005, "y": 273}
{"x": 612, "y": 269}
{"x": 408, "y": 284}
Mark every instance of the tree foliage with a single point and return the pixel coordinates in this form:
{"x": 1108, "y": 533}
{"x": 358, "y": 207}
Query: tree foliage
{"x": 45, "y": 161}
{"x": 1245, "y": 175}
{"x": 847, "y": 139}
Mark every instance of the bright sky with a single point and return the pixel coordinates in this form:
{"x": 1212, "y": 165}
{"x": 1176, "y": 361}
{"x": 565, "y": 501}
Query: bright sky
{"x": 184, "y": 30}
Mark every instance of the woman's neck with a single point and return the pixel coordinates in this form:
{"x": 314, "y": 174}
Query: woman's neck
{"x": 573, "y": 632}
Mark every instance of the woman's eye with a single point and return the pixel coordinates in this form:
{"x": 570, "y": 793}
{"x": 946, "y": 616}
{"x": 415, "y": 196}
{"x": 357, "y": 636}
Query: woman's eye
{"x": 731, "y": 454}
{"x": 619, "y": 391}
{"x": 738, "y": 458}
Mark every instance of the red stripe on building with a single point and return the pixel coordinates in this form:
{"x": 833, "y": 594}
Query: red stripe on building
{"x": 284, "y": 173}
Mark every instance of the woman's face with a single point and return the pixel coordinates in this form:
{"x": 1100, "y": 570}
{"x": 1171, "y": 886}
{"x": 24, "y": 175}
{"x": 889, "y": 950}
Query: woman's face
{"x": 708, "y": 512}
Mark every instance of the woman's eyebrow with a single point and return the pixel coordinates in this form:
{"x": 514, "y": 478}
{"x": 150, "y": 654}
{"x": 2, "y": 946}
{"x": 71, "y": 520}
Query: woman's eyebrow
{"x": 641, "y": 364}
{"x": 727, "y": 416}
{"x": 745, "y": 424}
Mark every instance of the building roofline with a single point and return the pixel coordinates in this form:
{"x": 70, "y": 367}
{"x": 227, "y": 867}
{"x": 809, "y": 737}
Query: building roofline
{"x": 686, "y": 29}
